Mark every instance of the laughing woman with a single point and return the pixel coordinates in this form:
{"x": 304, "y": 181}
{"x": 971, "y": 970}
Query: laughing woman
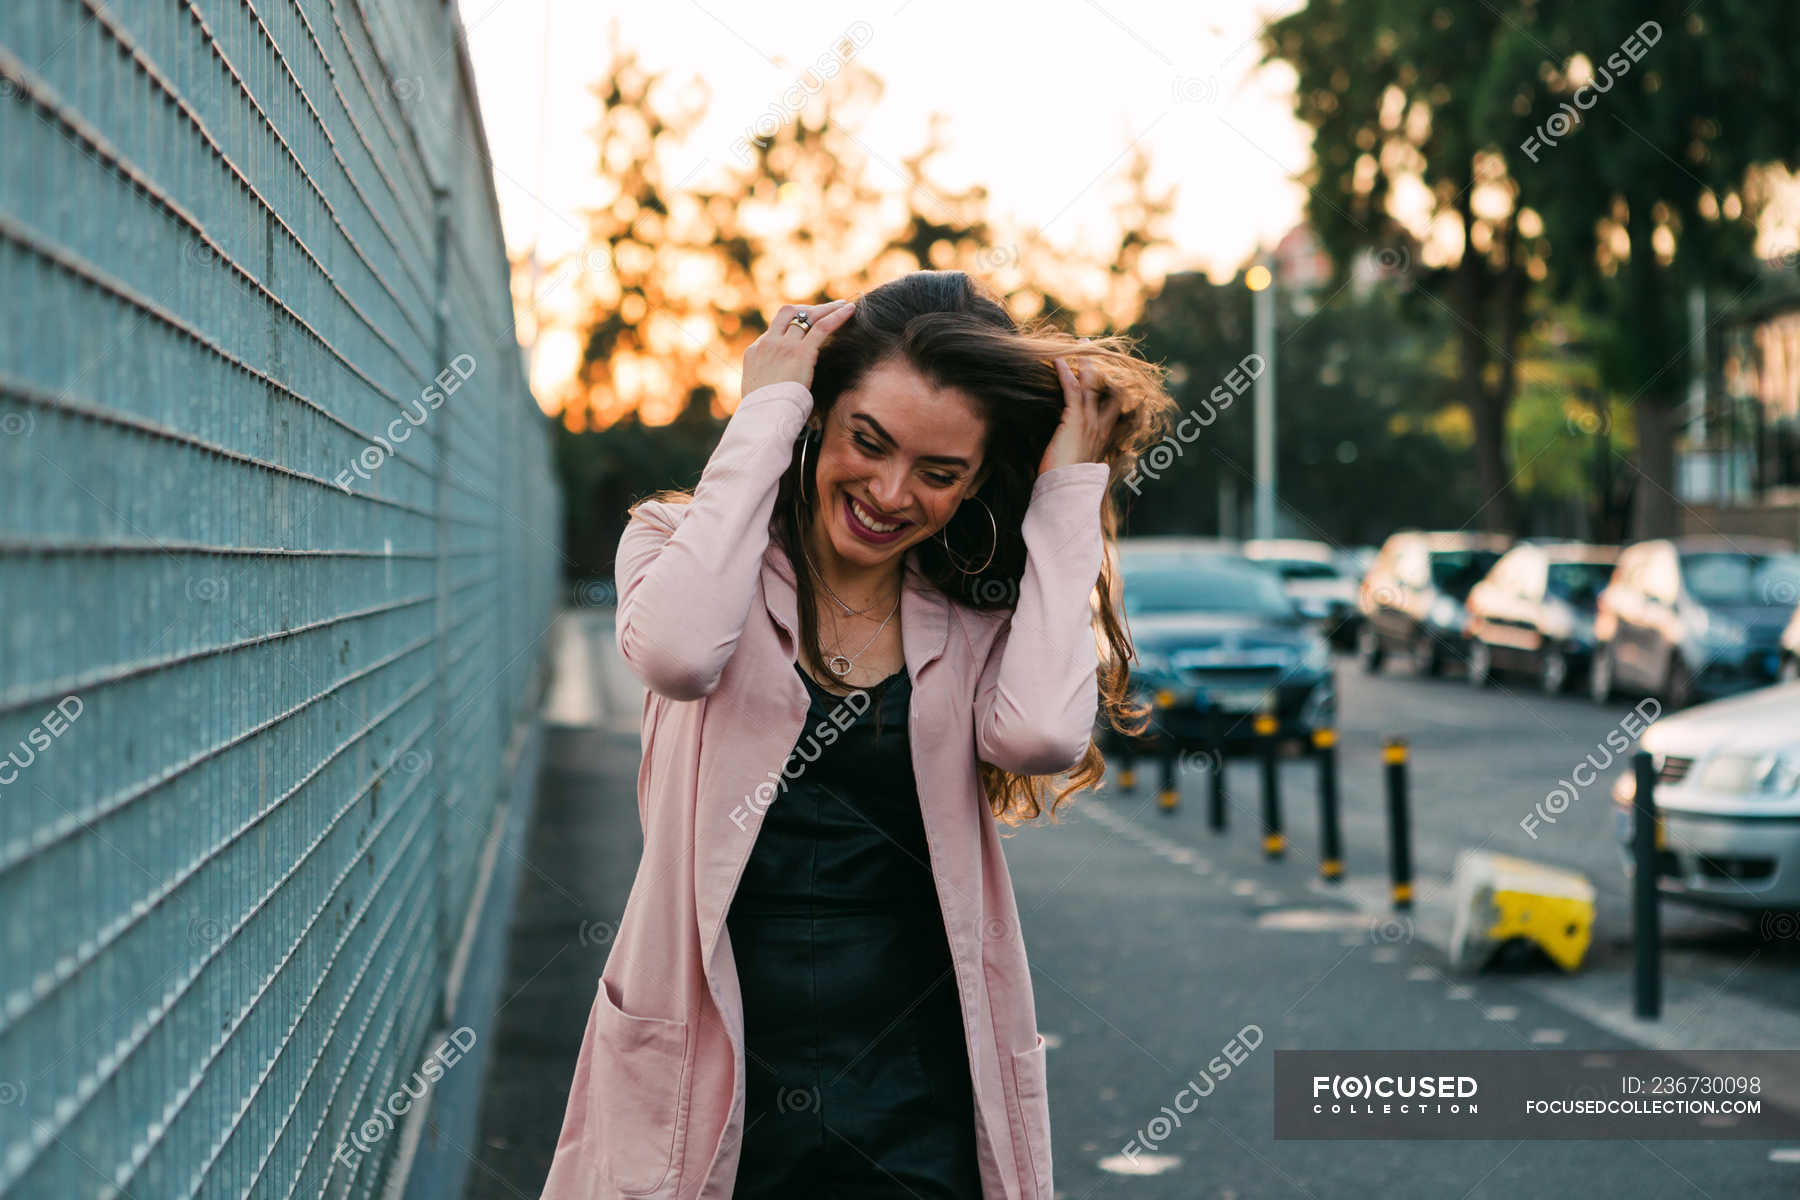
{"x": 868, "y": 642}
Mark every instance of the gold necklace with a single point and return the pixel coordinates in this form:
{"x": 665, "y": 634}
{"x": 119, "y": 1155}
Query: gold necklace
{"x": 841, "y": 664}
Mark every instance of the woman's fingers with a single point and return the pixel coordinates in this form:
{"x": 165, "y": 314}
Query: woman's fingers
{"x": 839, "y": 313}
{"x": 815, "y": 315}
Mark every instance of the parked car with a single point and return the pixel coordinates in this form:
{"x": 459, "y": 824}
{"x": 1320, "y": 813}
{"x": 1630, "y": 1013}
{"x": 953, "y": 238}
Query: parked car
{"x": 1215, "y": 634}
{"x": 1412, "y": 598}
{"x": 1693, "y": 618}
{"x": 1728, "y": 801}
{"x": 1534, "y": 613}
{"x": 1313, "y": 576}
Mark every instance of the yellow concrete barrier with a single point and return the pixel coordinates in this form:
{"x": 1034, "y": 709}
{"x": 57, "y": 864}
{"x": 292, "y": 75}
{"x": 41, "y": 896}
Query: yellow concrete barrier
{"x": 1499, "y": 898}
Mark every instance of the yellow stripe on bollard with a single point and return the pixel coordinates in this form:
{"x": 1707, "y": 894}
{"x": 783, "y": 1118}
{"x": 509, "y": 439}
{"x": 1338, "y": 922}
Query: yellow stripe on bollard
{"x": 1403, "y": 893}
{"x": 1324, "y": 739}
{"x": 1331, "y": 868}
{"x": 1128, "y": 779}
{"x": 1168, "y": 799}
{"x": 1393, "y": 752}
{"x": 1274, "y": 843}
{"x": 1266, "y": 724}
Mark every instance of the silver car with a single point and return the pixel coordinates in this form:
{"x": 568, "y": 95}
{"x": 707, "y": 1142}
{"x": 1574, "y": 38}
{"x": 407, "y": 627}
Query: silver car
{"x": 1728, "y": 798}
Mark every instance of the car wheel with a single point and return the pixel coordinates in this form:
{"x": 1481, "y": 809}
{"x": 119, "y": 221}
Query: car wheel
{"x": 1678, "y": 685}
{"x": 1553, "y": 671}
{"x": 1425, "y": 657}
{"x": 1481, "y": 664}
{"x": 1368, "y": 649}
{"x": 1601, "y": 684}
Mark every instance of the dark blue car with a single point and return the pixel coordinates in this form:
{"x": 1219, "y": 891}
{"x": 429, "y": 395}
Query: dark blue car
{"x": 1217, "y": 639}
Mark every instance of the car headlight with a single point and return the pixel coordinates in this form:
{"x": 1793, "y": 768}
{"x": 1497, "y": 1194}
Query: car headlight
{"x": 1317, "y": 655}
{"x": 1445, "y": 613}
{"x": 1773, "y": 774}
{"x": 1778, "y": 774}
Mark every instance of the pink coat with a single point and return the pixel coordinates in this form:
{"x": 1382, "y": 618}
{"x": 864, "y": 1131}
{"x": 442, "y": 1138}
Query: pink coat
{"x": 707, "y": 619}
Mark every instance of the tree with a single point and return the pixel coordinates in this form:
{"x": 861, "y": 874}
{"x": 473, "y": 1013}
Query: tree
{"x": 1411, "y": 103}
{"x": 1661, "y": 114}
{"x": 680, "y": 280}
{"x": 1365, "y": 445}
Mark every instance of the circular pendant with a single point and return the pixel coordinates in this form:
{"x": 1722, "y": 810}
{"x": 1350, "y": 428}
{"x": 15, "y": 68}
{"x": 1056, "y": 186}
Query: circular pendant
{"x": 839, "y": 664}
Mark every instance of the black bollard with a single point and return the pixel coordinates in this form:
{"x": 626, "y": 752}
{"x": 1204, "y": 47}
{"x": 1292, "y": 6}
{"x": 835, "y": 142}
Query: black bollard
{"x": 1127, "y": 765}
{"x": 1274, "y": 843}
{"x": 1331, "y": 841}
{"x": 1646, "y": 919}
{"x": 1169, "y": 795}
{"x": 1215, "y": 810}
{"x": 1399, "y": 830}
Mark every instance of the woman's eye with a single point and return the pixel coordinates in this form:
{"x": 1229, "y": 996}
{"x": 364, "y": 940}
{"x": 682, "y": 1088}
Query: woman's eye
{"x": 940, "y": 480}
{"x": 865, "y": 444}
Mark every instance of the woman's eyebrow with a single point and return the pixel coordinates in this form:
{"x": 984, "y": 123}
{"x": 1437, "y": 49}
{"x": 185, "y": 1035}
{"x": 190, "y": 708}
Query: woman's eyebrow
{"x": 884, "y": 435}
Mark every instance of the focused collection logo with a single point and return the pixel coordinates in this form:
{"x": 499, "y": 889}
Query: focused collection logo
{"x": 1394, "y": 1095}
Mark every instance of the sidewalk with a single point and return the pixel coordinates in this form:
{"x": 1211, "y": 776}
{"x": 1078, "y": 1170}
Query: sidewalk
{"x": 579, "y": 863}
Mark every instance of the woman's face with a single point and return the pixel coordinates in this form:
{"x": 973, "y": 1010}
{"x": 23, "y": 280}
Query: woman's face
{"x": 897, "y": 458}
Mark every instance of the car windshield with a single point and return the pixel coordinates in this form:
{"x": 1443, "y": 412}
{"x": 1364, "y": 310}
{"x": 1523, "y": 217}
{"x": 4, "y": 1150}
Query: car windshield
{"x": 1733, "y": 577}
{"x": 1171, "y": 588}
{"x": 1301, "y": 568}
{"x": 1458, "y": 571}
{"x": 1578, "y": 582}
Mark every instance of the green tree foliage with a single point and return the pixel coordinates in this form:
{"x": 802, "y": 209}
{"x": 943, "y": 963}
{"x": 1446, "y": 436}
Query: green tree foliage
{"x": 1411, "y": 103}
{"x": 1364, "y": 446}
{"x": 1653, "y": 193}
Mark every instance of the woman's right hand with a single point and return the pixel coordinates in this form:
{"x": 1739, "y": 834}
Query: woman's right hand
{"x": 785, "y": 351}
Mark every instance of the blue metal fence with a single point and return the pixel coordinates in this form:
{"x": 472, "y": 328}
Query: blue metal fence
{"x": 277, "y": 552}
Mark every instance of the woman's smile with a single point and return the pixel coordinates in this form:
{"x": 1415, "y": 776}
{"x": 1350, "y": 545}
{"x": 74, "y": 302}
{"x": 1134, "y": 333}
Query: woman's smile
{"x": 866, "y": 524}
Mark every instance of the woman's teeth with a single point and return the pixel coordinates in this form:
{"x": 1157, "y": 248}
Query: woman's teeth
{"x": 869, "y": 519}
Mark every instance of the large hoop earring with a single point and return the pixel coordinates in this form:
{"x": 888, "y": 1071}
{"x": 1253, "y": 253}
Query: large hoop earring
{"x": 992, "y": 550}
{"x": 811, "y": 435}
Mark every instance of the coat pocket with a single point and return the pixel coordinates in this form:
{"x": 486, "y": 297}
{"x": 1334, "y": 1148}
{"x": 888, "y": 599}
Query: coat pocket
{"x": 639, "y": 1096}
{"x": 1031, "y": 1140}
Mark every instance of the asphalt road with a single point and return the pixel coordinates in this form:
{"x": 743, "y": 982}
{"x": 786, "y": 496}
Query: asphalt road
{"x": 1154, "y": 942}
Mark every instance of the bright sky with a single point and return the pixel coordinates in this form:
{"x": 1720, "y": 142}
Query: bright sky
{"x": 1043, "y": 102}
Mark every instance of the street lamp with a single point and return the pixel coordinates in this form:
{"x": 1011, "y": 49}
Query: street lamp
{"x": 1261, "y": 282}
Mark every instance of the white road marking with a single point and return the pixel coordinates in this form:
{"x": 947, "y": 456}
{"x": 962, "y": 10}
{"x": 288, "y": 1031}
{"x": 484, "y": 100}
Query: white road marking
{"x": 1140, "y": 1164}
{"x": 1501, "y": 1012}
{"x": 1548, "y": 1037}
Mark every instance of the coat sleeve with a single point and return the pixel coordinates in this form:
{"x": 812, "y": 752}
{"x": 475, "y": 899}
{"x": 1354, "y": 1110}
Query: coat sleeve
{"x": 687, "y": 574}
{"x": 1037, "y": 697}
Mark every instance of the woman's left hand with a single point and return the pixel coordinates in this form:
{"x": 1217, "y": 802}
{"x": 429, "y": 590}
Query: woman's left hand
{"x": 1087, "y": 419}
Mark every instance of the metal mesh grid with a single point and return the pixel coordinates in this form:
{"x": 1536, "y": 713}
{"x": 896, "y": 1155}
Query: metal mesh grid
{"x": 253, "y": 699}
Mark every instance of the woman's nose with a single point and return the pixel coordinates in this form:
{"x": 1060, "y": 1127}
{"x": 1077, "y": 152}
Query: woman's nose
{"x": 888, "y": 488}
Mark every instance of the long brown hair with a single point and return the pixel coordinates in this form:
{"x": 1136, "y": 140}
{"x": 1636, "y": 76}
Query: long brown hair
{"x": 956, "y": 332}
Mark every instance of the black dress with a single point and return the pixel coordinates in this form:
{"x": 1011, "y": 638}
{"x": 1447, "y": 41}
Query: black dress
{"x": 857, "y": 1071}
